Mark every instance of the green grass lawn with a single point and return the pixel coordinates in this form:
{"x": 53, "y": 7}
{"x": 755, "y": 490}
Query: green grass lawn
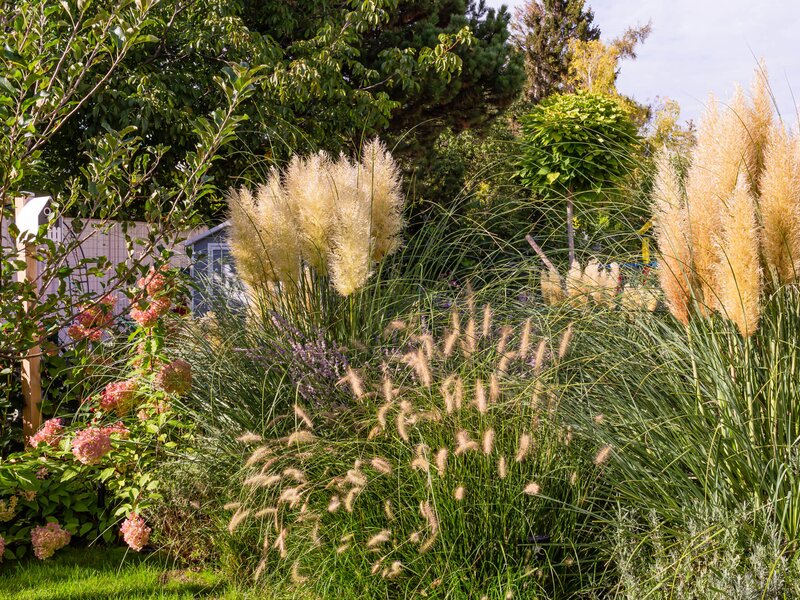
{"x": 108, "y": 573}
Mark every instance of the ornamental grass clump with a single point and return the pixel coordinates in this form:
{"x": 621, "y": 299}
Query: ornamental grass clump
{"x": 448, "y": 474}
{"x": 338, "y": 217}
{"x": 730, "y": 233}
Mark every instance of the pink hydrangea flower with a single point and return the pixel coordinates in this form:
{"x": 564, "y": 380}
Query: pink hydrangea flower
{"x": 78, "y": 332}
{"x": 175, "y": 377}
{"x": 154, "y": 281}
{"x": 48, "y": 538}
{"x": 90, "y": 445}
{"x": 119, "y": 396}
{"x": 144, "y": 317}
{"x": 2, "y": 547}
{"x": 161, "y": 305}
{"x": 135, "y": 532}
{"x": 43, "y": 473}
{"x": 99, "y": 314}
{"x": 50, "y": 434}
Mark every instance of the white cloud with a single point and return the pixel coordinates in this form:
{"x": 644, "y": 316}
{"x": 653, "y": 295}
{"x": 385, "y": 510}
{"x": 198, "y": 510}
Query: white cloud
{"x": 702, "y": 46}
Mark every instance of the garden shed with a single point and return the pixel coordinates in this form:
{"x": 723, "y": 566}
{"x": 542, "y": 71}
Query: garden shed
{"x": 212, "y": 265}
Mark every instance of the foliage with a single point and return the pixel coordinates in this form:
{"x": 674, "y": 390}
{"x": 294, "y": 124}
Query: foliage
{"x": 698, "y": 416}
{"x": 543, "y": 30}
{"x": 594, "y": 66}
{"x": 710, "y": 556}
{"x": 433, "y": 471}
{"x": 111, "y": 573}
{"x": 45, "y": 87}
{"x": 579, "y": 143}
{"x": 101, "y": 464}
{"x": 338, "y": 71}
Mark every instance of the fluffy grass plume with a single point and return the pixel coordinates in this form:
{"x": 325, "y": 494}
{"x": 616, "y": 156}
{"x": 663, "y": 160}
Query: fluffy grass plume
{"x": 381, "y": 177}
{"x": 739, "y": 270}
{"x": 717, "y": 253}
{"x": 337, "y": 217}
{"x": 780, "y": 206}
{"x": 671, "y": 226}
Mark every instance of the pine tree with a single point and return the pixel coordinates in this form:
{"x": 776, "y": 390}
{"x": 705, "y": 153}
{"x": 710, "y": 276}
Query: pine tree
{"x": 543, "y": 30}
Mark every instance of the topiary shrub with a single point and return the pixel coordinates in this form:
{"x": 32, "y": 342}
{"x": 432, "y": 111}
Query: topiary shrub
{"x": 575, "y": 146}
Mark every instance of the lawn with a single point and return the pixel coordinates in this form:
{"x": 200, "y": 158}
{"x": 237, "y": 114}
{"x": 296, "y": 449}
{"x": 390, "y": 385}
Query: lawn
{"x": 81, "y": 574}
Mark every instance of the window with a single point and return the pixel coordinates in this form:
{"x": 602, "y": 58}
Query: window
{"x": 220, "y": 263}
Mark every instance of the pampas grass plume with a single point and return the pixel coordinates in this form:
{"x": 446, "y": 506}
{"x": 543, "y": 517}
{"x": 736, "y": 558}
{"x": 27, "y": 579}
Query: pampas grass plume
{"x": 552, "y": 290}
{"x": 780, "y": 206}
{"x": 739, "y": 271}
{"x": 380, "y": 179}
{"x": 672, "y": 227}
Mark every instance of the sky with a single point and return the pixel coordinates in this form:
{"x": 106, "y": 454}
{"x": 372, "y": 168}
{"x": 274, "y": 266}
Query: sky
{"x": 702, "y": 46}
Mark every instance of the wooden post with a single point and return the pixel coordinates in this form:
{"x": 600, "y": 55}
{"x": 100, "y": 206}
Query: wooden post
{"x": 31, "y": 363}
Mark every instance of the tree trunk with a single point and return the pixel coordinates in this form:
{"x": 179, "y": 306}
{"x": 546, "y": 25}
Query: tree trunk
{"x": 570, "y": 228}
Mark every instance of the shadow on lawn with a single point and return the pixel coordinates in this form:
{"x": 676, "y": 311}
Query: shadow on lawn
{"x": 103, "y": 573}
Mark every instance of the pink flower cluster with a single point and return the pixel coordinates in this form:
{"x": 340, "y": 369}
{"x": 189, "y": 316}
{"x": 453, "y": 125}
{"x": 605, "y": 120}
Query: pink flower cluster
{"x": 154, "y": 281}
{"x": 119, "y": 396}
{"x": 93, "y": 319}
{"x": 50, "y": 434}
{"x": 46, "y": 539}
{"x": 155, "y": 284}
{"x": 2, "y": 547}
{"x": 175, "y": 377}
{"x": 148, "y": 315}
{"x": 135, "y": 532}
{"x": 90, "y": 445}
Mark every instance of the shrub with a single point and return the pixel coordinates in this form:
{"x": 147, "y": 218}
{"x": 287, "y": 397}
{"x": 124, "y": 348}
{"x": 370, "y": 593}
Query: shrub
{"x": 712, "y": 556}
{"x": 447, "y": 476}
{"x": 575, "y": 146}
{"x": 85, "y": 470}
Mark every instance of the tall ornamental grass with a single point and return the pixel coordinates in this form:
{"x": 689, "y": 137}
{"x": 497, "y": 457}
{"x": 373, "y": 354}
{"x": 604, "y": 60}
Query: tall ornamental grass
{"x": 729, "y": 234}
{"x": 698, "y": 416}
{"x": 448, "y": 475}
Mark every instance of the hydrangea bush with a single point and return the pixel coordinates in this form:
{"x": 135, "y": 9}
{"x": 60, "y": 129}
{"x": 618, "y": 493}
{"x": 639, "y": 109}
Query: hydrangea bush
{"x": 85, "y": 471}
